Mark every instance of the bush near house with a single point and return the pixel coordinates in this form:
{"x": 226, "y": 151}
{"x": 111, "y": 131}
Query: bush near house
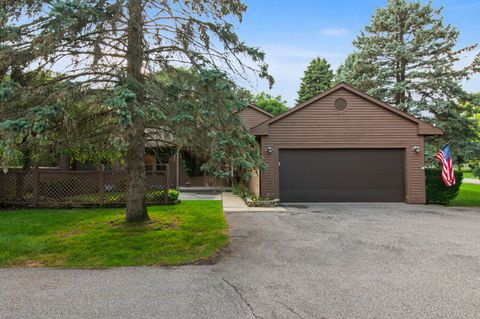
{"x": 437, "y": 191}
{"x": 173, "y": 195}
{"x": 241, "y": 190}
{"x": 254, "y": 200}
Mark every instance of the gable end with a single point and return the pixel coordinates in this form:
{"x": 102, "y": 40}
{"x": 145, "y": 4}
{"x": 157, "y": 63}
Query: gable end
{"x": 423, "y": 127}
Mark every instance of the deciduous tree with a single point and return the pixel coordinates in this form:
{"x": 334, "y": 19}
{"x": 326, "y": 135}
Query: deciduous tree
{"x": 273, "y": 104}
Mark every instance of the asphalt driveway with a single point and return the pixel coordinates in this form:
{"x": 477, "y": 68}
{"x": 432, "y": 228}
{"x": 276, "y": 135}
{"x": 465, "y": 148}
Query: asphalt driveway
{"x": 313, "y": 261}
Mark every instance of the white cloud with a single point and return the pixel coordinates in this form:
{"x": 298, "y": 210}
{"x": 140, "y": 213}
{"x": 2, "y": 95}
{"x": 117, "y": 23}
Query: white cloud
{"x": 334, "y": 32}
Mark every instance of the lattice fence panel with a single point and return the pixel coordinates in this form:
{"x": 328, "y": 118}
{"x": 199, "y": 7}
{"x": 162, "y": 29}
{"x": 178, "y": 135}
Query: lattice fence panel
{"x": 115, "y": 187}
{"x": 156, "y": 186}
{"x": 67, "y": 187}
{"x": 52, "y": 187}
{"x": 16, "y": 187}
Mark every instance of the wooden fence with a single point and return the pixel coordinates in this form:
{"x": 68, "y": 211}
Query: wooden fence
{"x": 60, "y": 188}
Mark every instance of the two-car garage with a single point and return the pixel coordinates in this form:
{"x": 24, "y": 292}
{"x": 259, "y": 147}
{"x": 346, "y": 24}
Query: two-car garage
{"x": 344, "y": 146}
{"x": 342, "y": 175}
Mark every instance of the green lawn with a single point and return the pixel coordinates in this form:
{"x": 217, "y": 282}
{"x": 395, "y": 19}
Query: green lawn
{"x": 469, "y": 196}
{"x": 468, "y": 174}
{"x": 192, "y": 231}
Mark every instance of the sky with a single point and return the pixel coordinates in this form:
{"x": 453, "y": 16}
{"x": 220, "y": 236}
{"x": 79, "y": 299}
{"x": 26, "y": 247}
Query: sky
{"x": 293, "y": 32}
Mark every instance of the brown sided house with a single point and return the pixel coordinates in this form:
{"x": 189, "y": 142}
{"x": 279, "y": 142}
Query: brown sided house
{"x": 160, "y": 153}
{"x": 253, "y": 116}
{"x": 343, "y": 146}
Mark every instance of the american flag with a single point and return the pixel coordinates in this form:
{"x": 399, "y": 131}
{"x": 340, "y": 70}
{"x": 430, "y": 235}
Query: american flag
{"x": 445, "y": 156}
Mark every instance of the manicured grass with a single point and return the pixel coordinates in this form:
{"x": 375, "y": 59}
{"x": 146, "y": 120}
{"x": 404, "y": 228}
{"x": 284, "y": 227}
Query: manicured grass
{"x": 469, "y": 196}
{"x": 468, "y": 174}
{"x": 192, "y": 231}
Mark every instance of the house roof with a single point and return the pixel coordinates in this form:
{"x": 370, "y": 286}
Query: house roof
{"x": 253, "y": 116}
{"x": 423, "y": 127}
{"x": 256, "y": 108}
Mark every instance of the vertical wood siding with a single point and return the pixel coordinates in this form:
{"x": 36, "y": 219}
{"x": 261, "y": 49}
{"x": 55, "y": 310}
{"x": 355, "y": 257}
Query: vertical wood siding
{"x": 362, "y": 125}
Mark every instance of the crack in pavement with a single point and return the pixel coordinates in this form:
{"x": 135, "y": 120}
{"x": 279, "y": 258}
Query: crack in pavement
{"x": 242, "y": 297}
{"x": 291, "y": 309}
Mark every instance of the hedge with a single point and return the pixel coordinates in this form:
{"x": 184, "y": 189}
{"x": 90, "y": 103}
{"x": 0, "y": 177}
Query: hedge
{"x": 437, "y": 191}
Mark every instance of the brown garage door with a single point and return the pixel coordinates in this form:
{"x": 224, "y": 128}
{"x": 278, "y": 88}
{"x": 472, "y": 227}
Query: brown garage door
{"x": 342, "y": 175}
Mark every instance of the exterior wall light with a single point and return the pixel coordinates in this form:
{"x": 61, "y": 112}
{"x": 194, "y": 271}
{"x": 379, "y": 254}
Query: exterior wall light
{"x": 269, "y": 149}
{"x": 416, "y": 149}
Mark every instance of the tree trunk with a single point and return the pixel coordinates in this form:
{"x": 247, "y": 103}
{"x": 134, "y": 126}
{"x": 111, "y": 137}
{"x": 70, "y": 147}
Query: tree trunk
{"x": 136, "y": 199}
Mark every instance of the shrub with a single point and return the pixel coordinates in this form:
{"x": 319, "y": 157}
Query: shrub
{"x": 242, "y": 191}
{"x": 173, "y": 195}
{"x": 158, "y": 195}
{"x": 437, "y": 191}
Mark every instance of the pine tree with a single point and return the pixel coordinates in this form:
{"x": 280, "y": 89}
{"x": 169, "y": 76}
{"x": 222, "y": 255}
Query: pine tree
{"x": 317, "y": 79}
{"x": 201, "y": 112}
{"x": 406, "y": 57}
{"x": 408, "y": 53}
{"x": 111, "y": 50}
{"x": 355, "y": 73}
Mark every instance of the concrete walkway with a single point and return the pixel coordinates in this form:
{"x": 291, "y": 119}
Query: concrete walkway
{"x": 233, "y": 203}
{"x": 200, "y": 195}
{"x": 471, "y": 181}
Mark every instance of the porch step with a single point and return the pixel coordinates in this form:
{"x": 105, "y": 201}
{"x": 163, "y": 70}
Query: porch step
{"x": 197, "y": 189}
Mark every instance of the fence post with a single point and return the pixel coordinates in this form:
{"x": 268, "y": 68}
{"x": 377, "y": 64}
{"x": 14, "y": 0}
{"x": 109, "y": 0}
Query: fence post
{"x": 166, "y": 184}
{"x": 101, "y": 187}
{"x": 36, "y": 185}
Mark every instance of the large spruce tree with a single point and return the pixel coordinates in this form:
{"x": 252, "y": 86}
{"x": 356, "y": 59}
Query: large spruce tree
{"x": 409, "y": 54}
{"x": 201, "y": 113}
{"x": 110, "y": 49}
{"x": 317, "y": 79}
{"x": 355, "y": 72}
{"x": 407, "y": 57}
